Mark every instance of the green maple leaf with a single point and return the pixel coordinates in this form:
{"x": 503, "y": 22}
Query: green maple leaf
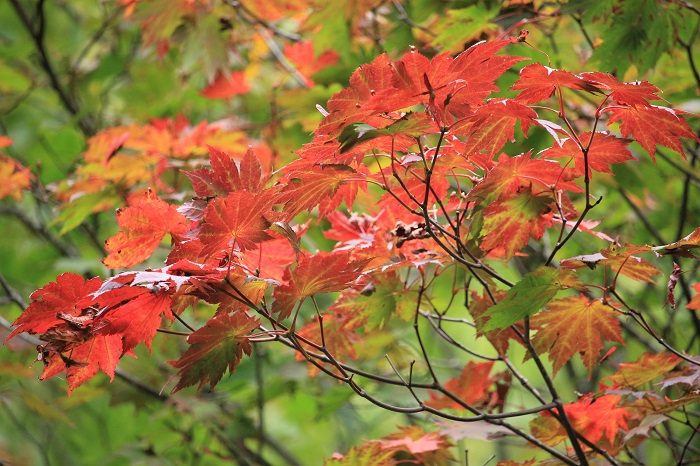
{"x": 528, "y": 296}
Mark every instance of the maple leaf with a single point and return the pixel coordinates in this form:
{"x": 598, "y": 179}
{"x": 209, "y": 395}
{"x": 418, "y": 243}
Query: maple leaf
{"x": 426, "y": 447}
{"x": 322, "y": 273}
{"x": 386, "y": 297}
{"x": 307, "y": 64}
{"x": 271, "y": 257}
{"x": 238, "y": 220}
{"x": 411, "y": 126}
{"x": 493, "y": 124}
{"x": 694, "y": 303}
{"x": 337, "y": 336}
{"x": 575, "y": 325}
{"x": 539, "y": 82}
{"x": 681, "y": 248}
{"x": 620, "y": 261}
{"x": 528, "y": 296}
{"x": 636, "y": 94}
{"x": 14, "y": 178}
{"x": 370, "y": 454}
{"x": 605, "y": 149}
{"x": 510, "y": 223}
{"x": 56, "y": 298}
{"x": 499, "y": 338}
{"x": 226, "y": 176}
{"x": 595, "y": 417}
{"x": 646, "y": 368}
{"x": 216, "y": 346}
{"x": 226, "y": 86}
{"x": 591, "y": 417}
{"x": 306, "y": 188}
{"x": 350, "y": 104}
{"x": 522, "y": 170}
{"x": 472, "y": 387}
{"x": 133, "y": 313}
{"x": 688, "y": 375}
{"x": 99, "y": 352}
{"x": 144, "y": 225}
{"x": 653, "y": 125}
{"x": 62, "y": 314}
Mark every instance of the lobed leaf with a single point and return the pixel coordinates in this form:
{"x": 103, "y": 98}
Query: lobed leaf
{"x": 143, "y": 225}
{"x": 529, "y": 296}
{"x": 217, "y": 346}
{"x": 575, "y": 325}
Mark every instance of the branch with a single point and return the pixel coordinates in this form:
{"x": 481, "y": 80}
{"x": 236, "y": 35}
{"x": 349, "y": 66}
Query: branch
{"x": 37, "y": 31}
{"x": 40, "y": 231}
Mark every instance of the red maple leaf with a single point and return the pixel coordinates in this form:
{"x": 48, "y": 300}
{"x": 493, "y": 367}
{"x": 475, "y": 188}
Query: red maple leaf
{"x": 539, "y": 82}
{"x": 445, "y": 84}
{"x": 605, "y": 149}
{"x": 472, "y": 387}
{"x": 144, "y": 225}
{"x": 350, "y": 104}
{"x": 225, "y": 86}
{"x": 636, "y": 94}
{"x": 56, "y": 298}
{"x": 591, "y": 416}
{"x": 62, "y": 313}
{"x": 653, "y": 125}
{"x": 307, "y": 188}
{"x": 132, "y": 312}
{"x": 270, "y": 258}
{"x": 338, "y": 337}
{"x": 216, "y": 346}
{"x": 226, "y": 176}
{"x": 595, "y": 417}
{"x": 324, "y": 272}
{"x": 301, "y": 54}
{"x": 82, "y": 362}
{"x": 523, "y": 171}
{"x": 238, "y": 220}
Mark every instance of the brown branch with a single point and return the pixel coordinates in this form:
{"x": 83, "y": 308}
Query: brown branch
{"x": 36, "y": 27}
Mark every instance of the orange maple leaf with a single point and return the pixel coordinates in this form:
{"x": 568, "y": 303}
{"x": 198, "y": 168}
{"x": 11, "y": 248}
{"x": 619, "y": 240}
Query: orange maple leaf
{"x": 510, "y": 224}
{"x": 575, "y": 325}
{"x": 144, "y": 225}
{"x": 646, "y": 368}
{"x": 14, "y": 178}
{"x": 620, "y": 260}
{"x": 225, "y": 86}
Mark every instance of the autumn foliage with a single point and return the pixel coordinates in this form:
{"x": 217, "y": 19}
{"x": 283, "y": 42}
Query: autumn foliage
{"x": 460, "y": 196}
